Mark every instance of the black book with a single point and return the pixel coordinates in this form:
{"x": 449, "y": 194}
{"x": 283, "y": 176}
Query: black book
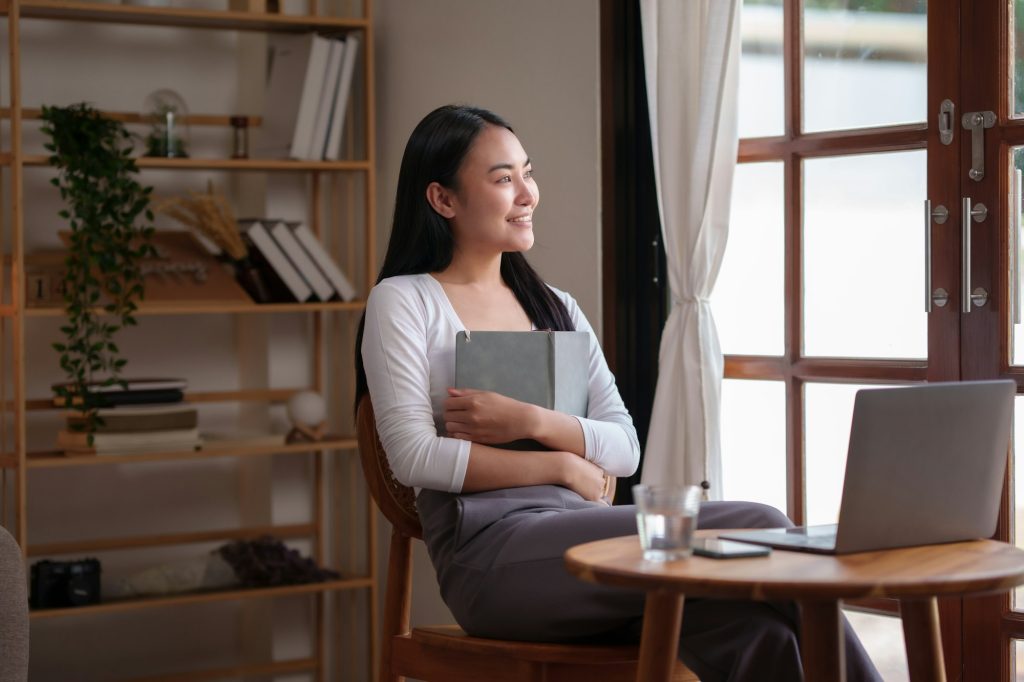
{"x": 114, "y": 398}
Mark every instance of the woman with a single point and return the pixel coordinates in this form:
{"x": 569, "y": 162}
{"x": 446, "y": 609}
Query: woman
{"x": 496, "y": 522}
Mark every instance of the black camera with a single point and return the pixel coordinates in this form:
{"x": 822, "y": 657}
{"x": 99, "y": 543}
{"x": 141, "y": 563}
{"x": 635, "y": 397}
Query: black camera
{"x": 57, "y": 584}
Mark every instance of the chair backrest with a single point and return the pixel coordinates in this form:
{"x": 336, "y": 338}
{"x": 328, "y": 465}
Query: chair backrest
{"x": 396, "y": 501}
{"x": 13, "y": 611}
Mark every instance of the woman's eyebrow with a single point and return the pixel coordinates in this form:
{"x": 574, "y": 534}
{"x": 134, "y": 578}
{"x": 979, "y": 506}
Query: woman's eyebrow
{"x": 506, "y": 166}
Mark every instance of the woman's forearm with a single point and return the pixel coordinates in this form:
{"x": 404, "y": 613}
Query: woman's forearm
{"x": 557, "y": 431}
{"x": 490, "y": 468}
{"x": 493, "y": 468}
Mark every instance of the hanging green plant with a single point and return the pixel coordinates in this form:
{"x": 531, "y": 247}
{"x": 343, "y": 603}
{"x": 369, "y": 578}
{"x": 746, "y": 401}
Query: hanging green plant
{"x": 103, "y": 276}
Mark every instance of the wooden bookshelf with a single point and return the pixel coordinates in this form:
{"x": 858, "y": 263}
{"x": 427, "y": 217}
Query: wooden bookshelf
{"x": 333, "y": 486}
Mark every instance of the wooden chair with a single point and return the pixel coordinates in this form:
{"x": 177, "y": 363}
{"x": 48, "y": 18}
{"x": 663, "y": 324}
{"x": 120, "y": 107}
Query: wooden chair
{"x": 446, "y": 653}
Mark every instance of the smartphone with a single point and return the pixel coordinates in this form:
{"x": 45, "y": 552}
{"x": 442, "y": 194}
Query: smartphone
{"x": 727, "y": 549}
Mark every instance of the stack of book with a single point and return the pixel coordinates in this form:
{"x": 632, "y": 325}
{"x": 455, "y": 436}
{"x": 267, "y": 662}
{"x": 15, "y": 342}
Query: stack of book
{"x": 146, "y": 415}
{"x": 308, "y": 83}
{"x": 292, "y": 264}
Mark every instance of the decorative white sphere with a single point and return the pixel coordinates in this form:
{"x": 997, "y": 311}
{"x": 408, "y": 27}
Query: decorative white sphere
{"x": 307, "y": 408}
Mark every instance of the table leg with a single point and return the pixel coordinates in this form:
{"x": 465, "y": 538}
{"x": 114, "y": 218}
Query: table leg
{"x": 821, "y": 641}
{"x": 923, "y": 641}
{"x": 659, "y": 643}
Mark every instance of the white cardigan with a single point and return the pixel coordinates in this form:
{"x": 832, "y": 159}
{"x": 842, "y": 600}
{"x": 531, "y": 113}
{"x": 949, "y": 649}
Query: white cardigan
{"x": 409, "y": 356}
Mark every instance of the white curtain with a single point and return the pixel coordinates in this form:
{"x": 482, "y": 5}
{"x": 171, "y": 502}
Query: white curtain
{"x": 691, "y": 58}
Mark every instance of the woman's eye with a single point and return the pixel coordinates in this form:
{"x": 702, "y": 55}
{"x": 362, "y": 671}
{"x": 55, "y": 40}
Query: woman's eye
{"x": 528, "y": 174}
{"x": 505, "y": 178}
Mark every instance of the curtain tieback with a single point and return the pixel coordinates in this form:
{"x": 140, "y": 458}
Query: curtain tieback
{"x": 678, "y": 300}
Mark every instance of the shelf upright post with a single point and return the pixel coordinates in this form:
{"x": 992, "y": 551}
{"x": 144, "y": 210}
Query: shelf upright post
{"x": 17, "y": 271}
{"x": 371, "y": 151}
{"x": 371, "y": 269}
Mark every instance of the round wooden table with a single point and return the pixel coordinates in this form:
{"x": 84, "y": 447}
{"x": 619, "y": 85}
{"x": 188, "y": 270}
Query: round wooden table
{"x": 914, "y": 575}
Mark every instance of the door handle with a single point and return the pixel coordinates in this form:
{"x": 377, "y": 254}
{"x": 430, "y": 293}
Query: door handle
{"x": 969, "y": 214}
{"x": 938, "y": 216}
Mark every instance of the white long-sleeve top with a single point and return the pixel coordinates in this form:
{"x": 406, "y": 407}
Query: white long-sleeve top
{"x": 409, "y": 356}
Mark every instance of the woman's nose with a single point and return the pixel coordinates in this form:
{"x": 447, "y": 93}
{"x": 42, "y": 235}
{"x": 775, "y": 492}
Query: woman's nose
{"x": 527, "y": 194}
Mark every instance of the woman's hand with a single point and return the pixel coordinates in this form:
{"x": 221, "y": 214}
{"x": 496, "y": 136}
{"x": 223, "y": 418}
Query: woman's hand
{"x": 585, "y": 479}
{"x": 486, "y": 417}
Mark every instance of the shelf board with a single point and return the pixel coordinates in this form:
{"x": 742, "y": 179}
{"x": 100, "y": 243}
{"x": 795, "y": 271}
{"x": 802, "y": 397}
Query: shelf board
{"x": 121, "y": 605}
{"x": 68, "y": 10}
{"x": 256, "y": 670}
{"x": 198, "y": 308}
{"x": 260, "y": 395}
{"x": 226, "y": 164}
{"x": 298, "y": 530}
{"x": 55, "y": 460}
{"x": 33, "y": 114}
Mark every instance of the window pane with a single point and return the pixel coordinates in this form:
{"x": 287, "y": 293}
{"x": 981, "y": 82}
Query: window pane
{"x": 1016, "y": 244}
{"x": 1018, "y": 660}
{"x": 828, "y": 409}
{"x": 863, "y": 256}
{"x": 1018, "y": 489}
{"x": 882, "y": 637}
{"x": 864, "y": 63}
{"x": 749, "y": 295}
{"x": 761, "y": 72}
{"x": 754, "y": 441}
{"x": 1017, "y": 55}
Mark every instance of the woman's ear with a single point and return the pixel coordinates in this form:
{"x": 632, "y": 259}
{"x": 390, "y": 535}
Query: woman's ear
{"x": 440, "y": 199}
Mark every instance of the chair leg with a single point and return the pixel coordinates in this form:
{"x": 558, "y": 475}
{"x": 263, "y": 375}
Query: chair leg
{"x": 397, "y": 601}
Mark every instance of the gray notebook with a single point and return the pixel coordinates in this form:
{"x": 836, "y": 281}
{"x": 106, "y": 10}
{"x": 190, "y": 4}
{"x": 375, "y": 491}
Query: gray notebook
{"x": 545, "y": 368}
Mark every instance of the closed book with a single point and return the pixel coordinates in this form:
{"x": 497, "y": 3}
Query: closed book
{"x": 268, "y": 256}
{"x": 288, "y": 60}
{"x": 143, "y": 418}
{"x": 333, "y": 151}
{"x": 545, "y": 368}
{"x": 302, "y": 142}
{"x": 114, "y": 443}
{"x": 114, "y": 398}
{"x": 325, "y": 106}
{"x": 302, "y": 262}
{"x": 323, "y": 260}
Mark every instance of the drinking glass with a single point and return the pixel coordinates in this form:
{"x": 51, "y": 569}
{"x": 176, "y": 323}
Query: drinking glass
{"x": 665, "y": 518}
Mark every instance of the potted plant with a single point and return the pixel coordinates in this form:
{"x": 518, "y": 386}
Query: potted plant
{"x": 103, "y": 277}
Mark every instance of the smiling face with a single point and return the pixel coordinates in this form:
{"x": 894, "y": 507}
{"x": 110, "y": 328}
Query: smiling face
{"x": 491, "y": 210}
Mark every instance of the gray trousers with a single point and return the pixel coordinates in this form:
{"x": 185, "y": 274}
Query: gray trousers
{"x": 498, "y": 557}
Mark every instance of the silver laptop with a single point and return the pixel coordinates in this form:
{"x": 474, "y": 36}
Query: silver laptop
{"x": 925, "y": 465}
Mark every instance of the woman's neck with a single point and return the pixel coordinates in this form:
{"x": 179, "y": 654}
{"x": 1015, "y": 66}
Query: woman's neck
{"x": 474, "y": 271}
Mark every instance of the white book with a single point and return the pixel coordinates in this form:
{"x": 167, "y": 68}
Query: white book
{"x": 328, "y": 92}
{"x": 333, "y": 152}
{"x": 312, "y": 83}
{"x": 327, "y": 266}
{"x": 288, "y": 61}
{"x": 302, "y": 262}
{"x": 260, "y": 238}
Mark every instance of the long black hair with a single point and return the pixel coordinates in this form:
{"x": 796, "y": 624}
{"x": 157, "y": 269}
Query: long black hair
{"x": 421, "y": 239}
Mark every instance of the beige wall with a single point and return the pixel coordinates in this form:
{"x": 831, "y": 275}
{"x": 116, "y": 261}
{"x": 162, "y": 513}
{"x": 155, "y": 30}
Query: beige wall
{"x": 535, "y": 63}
